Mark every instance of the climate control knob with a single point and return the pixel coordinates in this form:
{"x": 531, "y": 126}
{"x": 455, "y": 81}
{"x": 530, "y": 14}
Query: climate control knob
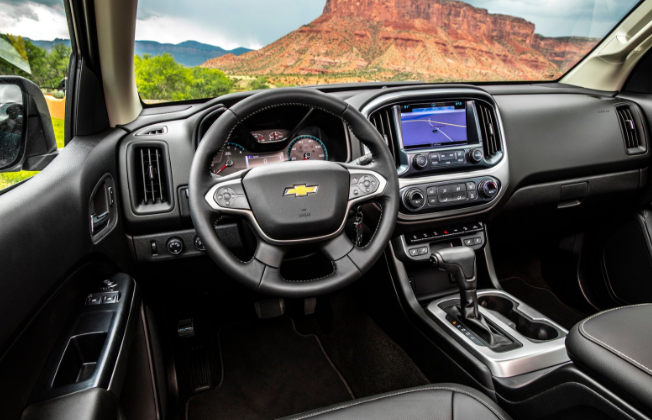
{"x": 414, "y": 199}
{"x": 475, "y": 155}
{"x": 488, "y": 188}
{"x": 420, "y": 161}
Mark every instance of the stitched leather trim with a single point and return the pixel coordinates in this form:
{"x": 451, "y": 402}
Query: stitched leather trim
{"x": 570, "y": 384}
{"x": 407, "y": 391}
{"x": 607, "y": 346}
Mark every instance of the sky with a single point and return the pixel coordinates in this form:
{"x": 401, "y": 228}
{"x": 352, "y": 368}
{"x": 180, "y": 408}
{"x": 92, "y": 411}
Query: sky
{"x": 256, "y": 23}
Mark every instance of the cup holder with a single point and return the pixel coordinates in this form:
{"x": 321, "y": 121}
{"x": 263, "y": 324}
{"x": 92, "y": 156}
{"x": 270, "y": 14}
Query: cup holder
{"x": 531, "y": 329}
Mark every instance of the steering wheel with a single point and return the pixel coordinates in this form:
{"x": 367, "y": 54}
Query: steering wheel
{"x": 290, "y": 204}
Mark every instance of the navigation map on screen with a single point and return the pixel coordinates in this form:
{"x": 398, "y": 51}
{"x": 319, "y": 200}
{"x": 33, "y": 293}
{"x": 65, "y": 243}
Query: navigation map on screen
{"x": 434, "y": 125}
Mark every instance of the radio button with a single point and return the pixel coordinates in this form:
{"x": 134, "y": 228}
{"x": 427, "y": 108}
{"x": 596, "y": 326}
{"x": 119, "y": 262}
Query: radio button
{"x": 447, "y": 156}
{"x": 434, "y": 157}
{"x": 420, "y": 161}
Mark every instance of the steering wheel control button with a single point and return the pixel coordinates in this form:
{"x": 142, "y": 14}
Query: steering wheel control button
{"x": 175, "y": 246}
{"x": 231, "y": 196}
{"x": 420, "y": 161}
{"x": 362, "y": 185}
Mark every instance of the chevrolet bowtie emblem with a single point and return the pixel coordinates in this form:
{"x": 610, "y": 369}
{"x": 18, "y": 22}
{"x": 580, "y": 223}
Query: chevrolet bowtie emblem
{"x": 300, "y": 190}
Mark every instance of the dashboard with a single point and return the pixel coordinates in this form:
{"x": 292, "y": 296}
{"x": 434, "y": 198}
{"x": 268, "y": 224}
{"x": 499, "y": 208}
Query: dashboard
{"x": 462, "y": 153}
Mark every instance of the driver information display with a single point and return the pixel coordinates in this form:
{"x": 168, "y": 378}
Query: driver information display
{"x": 437, "y": 124}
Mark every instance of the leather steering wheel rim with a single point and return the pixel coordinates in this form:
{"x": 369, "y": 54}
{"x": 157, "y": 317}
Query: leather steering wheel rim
{"x": 262, "y": 271}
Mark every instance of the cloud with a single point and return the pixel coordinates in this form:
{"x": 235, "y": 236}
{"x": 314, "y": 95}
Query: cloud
{"x": 225, "y": 23}
{"x": 179, "y": 30}
{"x": 593, "y": 18}
{"x": 33, "y": 20}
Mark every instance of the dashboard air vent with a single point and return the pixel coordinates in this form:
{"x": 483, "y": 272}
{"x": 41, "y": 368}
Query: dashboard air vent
{"x": 631, "y": 129}
{"x": 489, "y": 130}
{"x": 383, "y": 120}
{"x": 153, "y": 175}
{"x": 153, "y": 131}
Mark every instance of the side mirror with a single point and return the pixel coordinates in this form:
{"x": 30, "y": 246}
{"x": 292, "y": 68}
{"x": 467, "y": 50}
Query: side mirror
{"x": 27, "y": 139}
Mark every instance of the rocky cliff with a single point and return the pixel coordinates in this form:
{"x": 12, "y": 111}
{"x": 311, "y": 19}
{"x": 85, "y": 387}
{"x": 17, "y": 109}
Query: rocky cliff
{"x": 432, "y": 40}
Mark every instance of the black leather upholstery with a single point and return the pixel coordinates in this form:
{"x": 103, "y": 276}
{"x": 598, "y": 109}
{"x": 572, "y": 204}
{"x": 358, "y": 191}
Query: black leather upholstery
{"x": 616, "y": 345}
{"x": 430, "y": 402}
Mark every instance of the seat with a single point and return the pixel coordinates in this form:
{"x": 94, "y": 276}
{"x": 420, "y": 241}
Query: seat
{"x": 429, "y": 402}
{"x": 615, "y": 345}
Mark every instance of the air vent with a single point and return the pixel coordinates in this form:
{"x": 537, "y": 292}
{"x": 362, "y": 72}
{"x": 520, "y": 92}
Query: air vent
{"x": 631, "y": 129}
{"x": 153, "y": 175}
{"x": 488, "y": 129}
{"x": 383, "y": 120}
{"x": 153, "y": 131}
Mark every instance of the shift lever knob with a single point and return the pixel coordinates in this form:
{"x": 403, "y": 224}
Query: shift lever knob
{"x": 460, "y": 262}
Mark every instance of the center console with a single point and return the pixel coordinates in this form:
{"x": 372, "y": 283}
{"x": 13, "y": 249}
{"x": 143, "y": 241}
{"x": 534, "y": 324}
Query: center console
{"x": 449, "y": 149}
{"x": 535, "y": 342}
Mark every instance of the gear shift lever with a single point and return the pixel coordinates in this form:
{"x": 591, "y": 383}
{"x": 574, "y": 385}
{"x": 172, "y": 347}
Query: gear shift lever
{"x": 460, "y": 262}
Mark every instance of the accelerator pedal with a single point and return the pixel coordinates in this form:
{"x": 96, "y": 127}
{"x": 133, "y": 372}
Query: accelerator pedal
{"x": 270, "y": 308}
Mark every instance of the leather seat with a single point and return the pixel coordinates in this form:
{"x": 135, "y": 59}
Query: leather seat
{"x": 615, "y": 345}
{"x": 429, "y": 402}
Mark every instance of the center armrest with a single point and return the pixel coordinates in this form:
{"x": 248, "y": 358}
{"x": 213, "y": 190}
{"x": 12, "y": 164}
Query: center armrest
{"x": 615, "y": 344}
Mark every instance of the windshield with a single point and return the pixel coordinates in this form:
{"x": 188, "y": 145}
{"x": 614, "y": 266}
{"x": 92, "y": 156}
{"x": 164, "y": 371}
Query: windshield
{"x": 206, "y": 48}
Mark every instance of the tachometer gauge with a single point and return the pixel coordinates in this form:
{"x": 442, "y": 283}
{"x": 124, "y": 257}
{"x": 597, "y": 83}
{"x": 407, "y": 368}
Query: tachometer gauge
{"x": 230, "y": 159}
{"x": 307, "y": 148}
{"x": 276, "y": 136}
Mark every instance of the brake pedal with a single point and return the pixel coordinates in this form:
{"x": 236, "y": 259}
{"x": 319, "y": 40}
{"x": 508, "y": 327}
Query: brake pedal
{"x": 270, "y": 308}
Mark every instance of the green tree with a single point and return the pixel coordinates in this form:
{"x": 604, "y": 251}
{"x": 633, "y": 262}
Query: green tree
{"x": 259, "y": 83}
{"x": 48, "y": 69}
{"x": 160, "y": 77}
{"x": 208, "y": 83}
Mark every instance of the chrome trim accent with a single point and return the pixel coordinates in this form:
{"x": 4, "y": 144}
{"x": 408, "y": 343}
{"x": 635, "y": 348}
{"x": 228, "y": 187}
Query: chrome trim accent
{"x": 249, "y": 215}
{"x": 500, "y": 171}
{"x": 529, "y": 358}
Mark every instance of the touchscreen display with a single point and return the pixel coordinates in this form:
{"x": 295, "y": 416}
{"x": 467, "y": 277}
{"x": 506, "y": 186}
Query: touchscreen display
{"x": 438, "y": 124}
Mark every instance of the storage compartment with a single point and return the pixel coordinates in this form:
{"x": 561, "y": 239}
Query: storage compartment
{"x": 80, "y": 359}
{"x": 531, "y": 329}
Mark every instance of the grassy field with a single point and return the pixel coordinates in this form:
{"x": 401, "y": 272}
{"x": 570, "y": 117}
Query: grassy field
{"x": 10, "y": 178}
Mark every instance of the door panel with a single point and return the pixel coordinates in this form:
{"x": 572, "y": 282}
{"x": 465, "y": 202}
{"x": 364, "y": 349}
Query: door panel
{"x": 48, "y": 258}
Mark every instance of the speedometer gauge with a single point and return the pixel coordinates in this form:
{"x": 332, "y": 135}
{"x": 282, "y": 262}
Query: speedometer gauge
{"x": 307, "y": 148}
{"x": 230, "y": 159}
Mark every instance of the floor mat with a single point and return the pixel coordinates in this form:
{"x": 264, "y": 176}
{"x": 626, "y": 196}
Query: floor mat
{"x": 370, "y": 361}
{"x": 269, "y": 371}
{"x": 544, "y": 301}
